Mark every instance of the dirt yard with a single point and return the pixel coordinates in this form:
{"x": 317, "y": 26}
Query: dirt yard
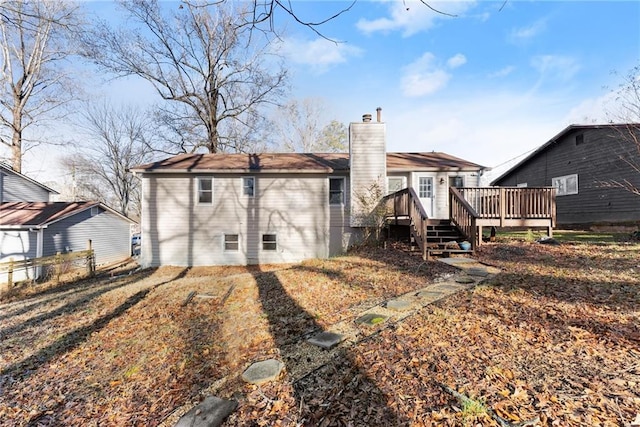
{"x": 552, "y": 340}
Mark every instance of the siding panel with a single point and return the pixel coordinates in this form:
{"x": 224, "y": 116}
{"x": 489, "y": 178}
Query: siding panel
{"x": 14, "y": 188}
{"x": 368, "y": 164}
{"x": 295, "y": 207}
{"x": 603, "y": 156}
{"x": 109, "y": 233}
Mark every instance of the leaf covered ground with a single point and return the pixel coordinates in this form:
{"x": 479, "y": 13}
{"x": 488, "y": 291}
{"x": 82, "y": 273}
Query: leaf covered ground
{"x": 552, "y": 340}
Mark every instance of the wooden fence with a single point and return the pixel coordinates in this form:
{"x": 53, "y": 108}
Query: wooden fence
{"x": 56, "y": 265}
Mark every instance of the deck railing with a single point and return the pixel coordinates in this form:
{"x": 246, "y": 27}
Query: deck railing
{"x": 463, "y": 215}
{"x": 405, "y": 203}
{"x": 471, "y": 208}
{"x": 507, "y": 204}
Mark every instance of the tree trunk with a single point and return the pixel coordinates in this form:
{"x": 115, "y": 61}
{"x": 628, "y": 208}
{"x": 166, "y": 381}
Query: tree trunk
{"x": 16, "y": 142}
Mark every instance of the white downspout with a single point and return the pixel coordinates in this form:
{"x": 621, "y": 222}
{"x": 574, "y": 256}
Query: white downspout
{"x": 39, "y": 250}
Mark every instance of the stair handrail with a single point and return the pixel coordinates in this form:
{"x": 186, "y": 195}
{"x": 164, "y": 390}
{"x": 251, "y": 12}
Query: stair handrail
{"x": 463, "y": 216}
{"x": 407, "y": 203}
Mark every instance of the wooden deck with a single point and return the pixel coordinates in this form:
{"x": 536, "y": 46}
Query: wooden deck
{"x": 472, "y": 208}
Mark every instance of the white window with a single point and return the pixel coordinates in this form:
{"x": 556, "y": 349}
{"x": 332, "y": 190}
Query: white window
{"x": 395, "y": 183}
{"x": 456, "y": 181}
{"x": 231, "y": 242}
{"x": 522, "y": 184}
{"x": 269, "y": 242}
{"x": 248, "y": 186}
{"x": 95, "y": 210}
{"x": 565, "y": 185}
{"x": 205, "y": 190}
{"x": 336, "y": 191}
{"x": 425, "y": 187}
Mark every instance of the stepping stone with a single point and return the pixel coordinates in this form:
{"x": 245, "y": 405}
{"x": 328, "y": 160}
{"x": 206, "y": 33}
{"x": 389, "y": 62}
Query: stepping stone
{"x": 211, "y": 412}
{"x": 398, "y": 305}
{"x": 326, "y": 340}
{"x": 372, "y": 319}
{"x": 457, "y": 261}
{"x": 475, "y": 271}
{"x": 464, "y": 280}
{"x": 432, "y": 295}
{"x": 262, "y": 372}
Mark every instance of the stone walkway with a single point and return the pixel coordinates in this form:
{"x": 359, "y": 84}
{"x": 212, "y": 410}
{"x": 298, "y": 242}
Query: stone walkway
{"x": 307, "y": 355}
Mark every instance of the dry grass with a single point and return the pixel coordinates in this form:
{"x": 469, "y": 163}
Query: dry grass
{"x": 554, "y": 338}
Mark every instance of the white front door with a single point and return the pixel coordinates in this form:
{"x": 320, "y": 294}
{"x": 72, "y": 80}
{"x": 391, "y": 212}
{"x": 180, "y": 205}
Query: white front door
{"x": 424, "y": 186}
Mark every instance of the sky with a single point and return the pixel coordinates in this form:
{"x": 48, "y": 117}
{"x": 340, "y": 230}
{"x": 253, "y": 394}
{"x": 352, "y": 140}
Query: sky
{"x": 487, "y": 81}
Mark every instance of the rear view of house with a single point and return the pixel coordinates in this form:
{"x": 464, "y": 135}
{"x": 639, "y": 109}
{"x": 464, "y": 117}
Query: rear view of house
{"x": 219, "y": 209}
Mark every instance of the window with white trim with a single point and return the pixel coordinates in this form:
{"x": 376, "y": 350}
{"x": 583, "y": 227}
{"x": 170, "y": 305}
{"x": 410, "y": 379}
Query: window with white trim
{"x": 425, "y": 187}
{"x": 456, "y": 181}
{"x": 205, "y": 190}
{"x": 395, "y": 183}
{"x": 336, "y": 191}
{"x": 565, "y": 185}
{"x": 248, "y": 186}
{"x": 231, "y": 242}
{"x": 522, "y": 184}
{"x": 269, "y": 242}
{"x": 95, "y": 210}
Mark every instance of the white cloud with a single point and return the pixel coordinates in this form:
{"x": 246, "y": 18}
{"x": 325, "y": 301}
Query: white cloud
{"x": 504, "y": 72}
{"x": 555, "y": 66}
{"x": 320, "y": 54}
{"x": 413, "y": 16}
{"x": 592, "y": 110}
{"x": 426, "y": 76}
{"x": 529, "y": 32}
{"x": 456, "y": 61}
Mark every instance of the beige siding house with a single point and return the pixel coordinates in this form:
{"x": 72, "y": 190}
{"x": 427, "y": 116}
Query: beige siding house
{"x": 224, "y": 209}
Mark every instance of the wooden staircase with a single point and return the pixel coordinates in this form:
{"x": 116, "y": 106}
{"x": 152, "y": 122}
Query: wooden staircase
{"x": 442, "y": 239}
{"x": 407, "y": 220}
{"x": 470, "y": 209}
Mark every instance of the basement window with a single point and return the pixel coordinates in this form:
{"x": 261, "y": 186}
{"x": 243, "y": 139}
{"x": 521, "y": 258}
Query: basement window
{"x": 565, "y": 185}
{"x": 269, "y": 242}
{"x": 231, "y": 242}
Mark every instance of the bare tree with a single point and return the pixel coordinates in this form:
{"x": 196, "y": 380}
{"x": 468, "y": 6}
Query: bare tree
{"x": 626, "y": 114}
{"x": 118, "y": 138}
{"x": 299, "y": 128}
{"x": 203, "y": 60}
{"x": 265, "y": 11}
{"x": 33, "y": 85}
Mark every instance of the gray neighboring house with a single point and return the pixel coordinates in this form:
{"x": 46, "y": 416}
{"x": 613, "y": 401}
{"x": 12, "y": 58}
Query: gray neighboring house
{"x": 16, "y": 187}
{"x": 581, "y": 162}
{"x": 37, "y": 229}
{"x": 31, "y": 226}
{"x": 223, "y": 209}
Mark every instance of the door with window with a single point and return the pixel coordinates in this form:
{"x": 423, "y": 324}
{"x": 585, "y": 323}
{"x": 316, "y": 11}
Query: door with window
{"x": 423, "y": 185}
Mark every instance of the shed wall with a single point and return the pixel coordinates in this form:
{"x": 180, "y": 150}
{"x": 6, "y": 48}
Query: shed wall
{"x": 19, "y": 245}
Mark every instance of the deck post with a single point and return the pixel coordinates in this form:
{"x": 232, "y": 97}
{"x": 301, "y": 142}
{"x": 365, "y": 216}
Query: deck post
{"x": 10, "y": 274}
{"x": 503, "y": 206}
